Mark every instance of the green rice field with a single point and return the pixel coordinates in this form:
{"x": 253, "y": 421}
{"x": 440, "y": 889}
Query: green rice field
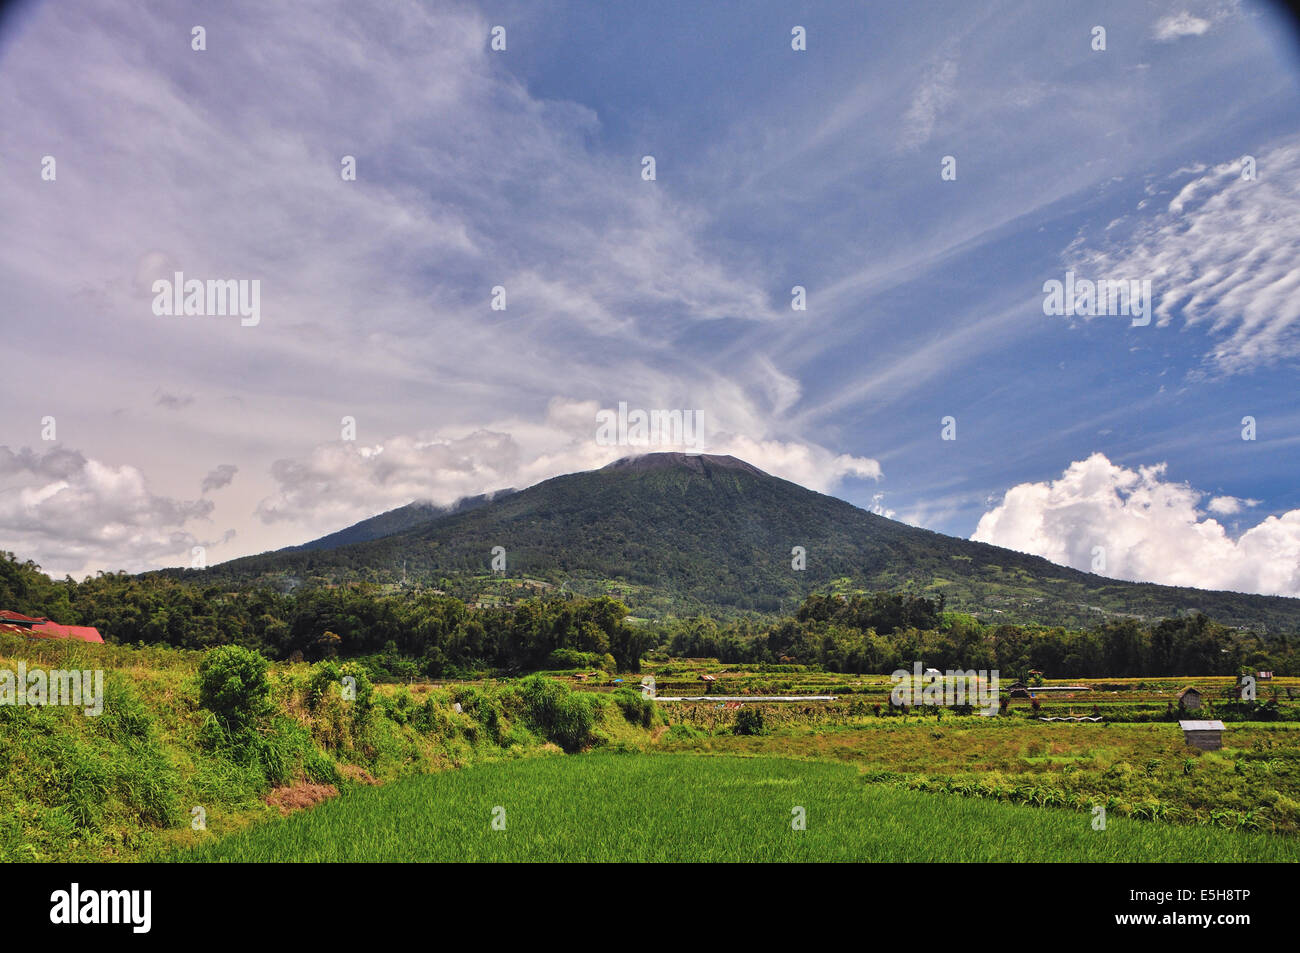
{"x": 683, "y": 807}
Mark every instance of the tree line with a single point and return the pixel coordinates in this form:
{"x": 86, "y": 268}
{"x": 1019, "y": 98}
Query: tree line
{"x": 430, "y": 634}
{"x": 878, "y": 634}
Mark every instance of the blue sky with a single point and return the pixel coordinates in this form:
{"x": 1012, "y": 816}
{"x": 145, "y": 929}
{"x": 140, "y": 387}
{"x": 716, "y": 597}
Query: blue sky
{"x": 774, "y": 168}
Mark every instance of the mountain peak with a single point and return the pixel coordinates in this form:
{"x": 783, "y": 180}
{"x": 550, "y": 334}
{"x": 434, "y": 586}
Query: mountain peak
{"x": 697, "y": 462}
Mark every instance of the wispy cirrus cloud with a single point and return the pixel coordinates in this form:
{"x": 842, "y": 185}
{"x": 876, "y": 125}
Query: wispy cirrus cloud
{"x": 1222, "y": 254}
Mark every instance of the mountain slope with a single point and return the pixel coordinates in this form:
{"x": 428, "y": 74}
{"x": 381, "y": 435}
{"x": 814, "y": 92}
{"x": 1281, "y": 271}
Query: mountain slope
{"x": 680, "y": 533}
{"x": 394, "y": 521}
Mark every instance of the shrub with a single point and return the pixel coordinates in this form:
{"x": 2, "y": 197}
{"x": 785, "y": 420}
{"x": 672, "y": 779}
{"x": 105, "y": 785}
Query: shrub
{"x": 749, "y": 721}
{"x": 568, "y": 658}
{"x": 637, "y": 709}
{"x": 480, "y": 706}
{"x": 683, "y": 731}
{"x": 556, "y": 712}
{"x": 233, "y": 686}
{"x": 328, "y": 673}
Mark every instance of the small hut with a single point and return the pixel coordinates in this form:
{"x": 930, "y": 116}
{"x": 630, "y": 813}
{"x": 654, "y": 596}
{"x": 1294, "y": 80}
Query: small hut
{"x": 1189, "y": 698}
{"x": 1206, "y": 735}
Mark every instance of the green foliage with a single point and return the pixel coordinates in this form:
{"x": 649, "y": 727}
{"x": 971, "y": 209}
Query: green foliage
{"x": 233, "y": 686}
{"x": 749, "y": 721}
{"x": 482, "y": 707}
{"x": 889, "y": 631}
{"x": 636, "y": 708}
{"x": 557, "y": 713}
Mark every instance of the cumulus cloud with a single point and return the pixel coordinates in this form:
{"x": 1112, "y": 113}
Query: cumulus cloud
{"x": 1150, "y": 529}
{"x": 220, "y": 477}
{"x": 69, "y": 512}
{"x": 1222, "y": 253}
{"x": 879, "y": 508}
{"x": 1229, "y": 505}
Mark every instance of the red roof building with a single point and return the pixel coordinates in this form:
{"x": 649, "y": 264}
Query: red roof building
{"x": 17, "y": 618}
{"x": 49, "y": 630}
{"x": 42, "y": 628}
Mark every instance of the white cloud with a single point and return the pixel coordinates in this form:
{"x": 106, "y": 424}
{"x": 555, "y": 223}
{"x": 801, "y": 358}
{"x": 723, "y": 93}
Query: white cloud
{"x": 1179, "y": 24}
{"x": 1151, "y": 530}
{"x": 806, "y": 464}
{"x": 1229, "y": 505}
{"x": 1223, "y": 253}
{"x": 345, "y": 481}
{"x": 72, "y": 514}
{"x": 935, "y": 93}
{"x": 879, "y": 508}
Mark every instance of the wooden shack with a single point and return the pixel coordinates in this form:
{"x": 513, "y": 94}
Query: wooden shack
{"x": 1189, "y": 698}
{"x": 1206, "y": 735}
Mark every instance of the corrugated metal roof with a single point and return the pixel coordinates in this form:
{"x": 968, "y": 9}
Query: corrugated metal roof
{"x": 49, "y": 630}
{"x": 9, "y": 615}
{"x": 1201, "y": 725}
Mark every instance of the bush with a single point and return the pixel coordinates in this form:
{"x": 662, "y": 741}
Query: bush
{"x": 568, "y": 658}
{"x": 556, "y": 712}
{"x": 480, "y": 706}
{"x": 749, "y": 721}
{"x": 360, "y": 688}
{"x": 683, "y": 731}
{"x": 637, "y": 709}
{"x": 233, "y": 685}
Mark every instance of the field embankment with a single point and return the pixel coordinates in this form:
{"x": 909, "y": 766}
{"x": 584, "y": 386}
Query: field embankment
{"x": 178, "y": 755}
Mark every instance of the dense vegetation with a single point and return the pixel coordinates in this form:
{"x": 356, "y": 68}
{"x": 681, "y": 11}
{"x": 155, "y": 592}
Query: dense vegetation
{"x": 888, "y": 631}
{"x": 192, "y": 744}
{"x": 412, "y": 634}
{"x": 399, "y": 634}
{"x": 225, "y": 738}
{"x": 713, "y": 535}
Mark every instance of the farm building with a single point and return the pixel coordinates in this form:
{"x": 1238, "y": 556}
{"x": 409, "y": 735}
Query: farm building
{"x": 39, "y": 627}
{"x": 1189, "y": 698}
{"x": 1206, "y": 735}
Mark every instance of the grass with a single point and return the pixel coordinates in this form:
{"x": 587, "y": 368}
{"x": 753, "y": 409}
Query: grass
{"x": 125, "y": 784}
{"x": 1136, "y": 770}
{"x": 611, "y": 807}
{"x": 122, "y": 786}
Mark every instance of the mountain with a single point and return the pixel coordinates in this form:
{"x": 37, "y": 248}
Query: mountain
{"x": 674, "y": 533}
{"x": 394, "y": 521}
